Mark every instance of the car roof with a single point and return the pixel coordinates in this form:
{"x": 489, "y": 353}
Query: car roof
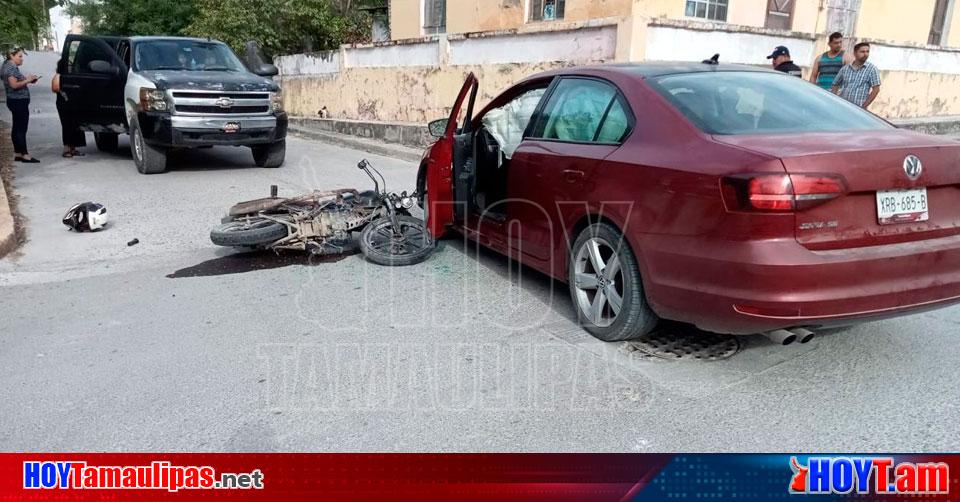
{"x": 651, "y": 70}
{"x": 160, "y": 38}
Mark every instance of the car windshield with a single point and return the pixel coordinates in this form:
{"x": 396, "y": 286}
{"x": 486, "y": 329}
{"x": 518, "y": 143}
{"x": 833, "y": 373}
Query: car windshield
{"x": 187, "y": 55}
{"x": 738, "y": 103}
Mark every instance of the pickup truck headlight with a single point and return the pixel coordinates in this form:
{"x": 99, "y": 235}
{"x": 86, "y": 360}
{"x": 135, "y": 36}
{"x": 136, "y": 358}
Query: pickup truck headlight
{"x": 276, "y": 101}
{"x": 153, "y": 100}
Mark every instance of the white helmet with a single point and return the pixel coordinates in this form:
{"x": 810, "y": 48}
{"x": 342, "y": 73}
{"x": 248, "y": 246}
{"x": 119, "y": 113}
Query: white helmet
{"x": 86, "y": 217}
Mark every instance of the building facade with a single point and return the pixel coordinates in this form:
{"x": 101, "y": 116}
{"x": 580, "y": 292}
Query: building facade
{"x": 413, "y": 78}
{"x": 924, "y": 22}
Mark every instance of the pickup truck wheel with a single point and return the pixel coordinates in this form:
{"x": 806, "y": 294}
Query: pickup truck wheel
{"x": 106, "y": 141}
{"x": 271, "y": 155}
{"x": 149, "y": 160}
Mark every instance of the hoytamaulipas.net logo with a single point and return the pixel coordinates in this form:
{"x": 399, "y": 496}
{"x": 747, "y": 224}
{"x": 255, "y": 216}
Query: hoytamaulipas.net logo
{"x": 159, "y": 475}
{"x": 868, "y": 475}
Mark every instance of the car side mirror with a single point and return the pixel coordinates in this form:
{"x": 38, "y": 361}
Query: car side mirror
{"x": 267, "y": 70}
{"x": 438, "y": 128}
{"x": 103, "y": 68}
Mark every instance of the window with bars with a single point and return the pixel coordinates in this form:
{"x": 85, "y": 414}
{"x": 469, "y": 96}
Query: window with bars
{"x": 714, "y": 10}
{"x": 434, "y": 16}
{"x": 546, "y": 10}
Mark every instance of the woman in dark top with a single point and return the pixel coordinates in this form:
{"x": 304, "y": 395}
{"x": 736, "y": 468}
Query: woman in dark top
{"x": 18, "y": 101}
{"x": 73, "y": 137}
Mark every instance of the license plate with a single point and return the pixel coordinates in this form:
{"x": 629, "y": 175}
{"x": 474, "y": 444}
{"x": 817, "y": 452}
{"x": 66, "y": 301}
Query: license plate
{"x": 902, "y": 206}
{"x": 231, "y": 127}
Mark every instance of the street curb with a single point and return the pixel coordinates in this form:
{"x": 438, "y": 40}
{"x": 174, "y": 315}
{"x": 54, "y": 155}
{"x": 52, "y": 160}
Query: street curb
{"x": 8, "y": 226}
{"x": 371, "y": 146}
{"x": 948, "y": 124}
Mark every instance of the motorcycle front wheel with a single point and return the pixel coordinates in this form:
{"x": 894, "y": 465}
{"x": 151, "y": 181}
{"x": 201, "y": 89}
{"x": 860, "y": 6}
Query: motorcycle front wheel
{"x": 380, "y": 244}
{"x": 248, "y": 233}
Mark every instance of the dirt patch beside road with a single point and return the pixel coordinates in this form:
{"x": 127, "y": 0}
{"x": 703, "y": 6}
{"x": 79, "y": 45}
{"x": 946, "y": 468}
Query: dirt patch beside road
{"x": 11, "y": 223}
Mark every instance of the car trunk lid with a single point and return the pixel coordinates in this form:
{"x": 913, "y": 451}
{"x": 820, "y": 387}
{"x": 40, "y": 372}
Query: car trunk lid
{"x": 869, "y": 162}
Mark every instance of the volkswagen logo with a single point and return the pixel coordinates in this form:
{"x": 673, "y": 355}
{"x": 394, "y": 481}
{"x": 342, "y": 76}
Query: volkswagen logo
{"x": 913, "y": 167}
{"x": 224, "y": 102}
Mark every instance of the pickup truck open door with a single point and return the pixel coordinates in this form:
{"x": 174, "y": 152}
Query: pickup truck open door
{"x": 91, "y": 82}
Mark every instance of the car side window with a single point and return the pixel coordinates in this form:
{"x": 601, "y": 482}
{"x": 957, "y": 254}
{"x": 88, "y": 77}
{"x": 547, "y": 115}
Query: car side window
{"x": 615, "y": 125}
{"x": 577, "y": 110}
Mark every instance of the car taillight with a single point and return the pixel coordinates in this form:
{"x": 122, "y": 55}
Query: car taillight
{"x": 780, "y": 192}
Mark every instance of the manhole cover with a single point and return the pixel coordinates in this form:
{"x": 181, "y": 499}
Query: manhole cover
{"x": 686, "y": 342}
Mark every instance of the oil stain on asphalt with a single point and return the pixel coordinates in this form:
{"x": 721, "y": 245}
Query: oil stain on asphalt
{"x": 249, "y": 262}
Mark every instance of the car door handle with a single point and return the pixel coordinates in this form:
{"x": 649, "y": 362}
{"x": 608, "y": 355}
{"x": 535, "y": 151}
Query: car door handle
{"x": 572, "y": 175}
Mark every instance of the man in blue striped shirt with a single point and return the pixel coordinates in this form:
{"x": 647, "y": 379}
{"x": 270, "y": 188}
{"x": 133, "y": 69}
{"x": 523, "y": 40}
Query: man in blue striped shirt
{"x": 859, "y": 81}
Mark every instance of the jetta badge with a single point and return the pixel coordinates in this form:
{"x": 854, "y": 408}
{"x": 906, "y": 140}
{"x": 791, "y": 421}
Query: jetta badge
{"x": 913, "y": 167}
{"x": 225, "y": 102}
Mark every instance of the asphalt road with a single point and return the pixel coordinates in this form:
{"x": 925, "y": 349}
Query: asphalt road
{"x": 174, "y": 344}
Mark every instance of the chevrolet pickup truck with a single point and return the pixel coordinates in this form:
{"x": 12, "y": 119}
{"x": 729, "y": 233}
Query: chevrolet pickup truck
{"x": 171, "y": 93}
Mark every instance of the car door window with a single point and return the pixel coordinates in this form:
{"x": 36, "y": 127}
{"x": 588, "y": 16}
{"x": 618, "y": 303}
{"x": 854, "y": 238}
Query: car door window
{"x": 87, "y": 52}
{"x": 507, "y": 123}
{"x": 575, "y": 110}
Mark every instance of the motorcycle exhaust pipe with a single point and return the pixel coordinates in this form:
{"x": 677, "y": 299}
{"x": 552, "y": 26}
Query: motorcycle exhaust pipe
{"x": 781, "y": 337}
{"x": 804, "y": 335}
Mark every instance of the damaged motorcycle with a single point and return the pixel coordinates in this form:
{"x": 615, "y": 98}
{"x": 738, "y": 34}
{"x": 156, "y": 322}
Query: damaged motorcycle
{"x": 323, "y": 223}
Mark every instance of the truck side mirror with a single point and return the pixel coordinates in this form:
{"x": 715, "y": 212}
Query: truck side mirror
{"x": 267, "y": 70}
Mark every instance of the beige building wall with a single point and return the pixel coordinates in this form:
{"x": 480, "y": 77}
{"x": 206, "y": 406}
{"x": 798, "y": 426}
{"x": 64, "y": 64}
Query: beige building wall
{"x": 896, "y": 20}
{"x": 953, "y": 37}
{"x": 405, "y": 19}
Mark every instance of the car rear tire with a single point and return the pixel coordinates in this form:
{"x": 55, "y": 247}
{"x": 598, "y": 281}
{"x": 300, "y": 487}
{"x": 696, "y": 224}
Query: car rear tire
{"x": 248, "y": 233}
{"x": 606, "y": 287}
{"x": 271, "y": 155}
{"x": 106, "y": 141}
{"x": 149, "y": 160}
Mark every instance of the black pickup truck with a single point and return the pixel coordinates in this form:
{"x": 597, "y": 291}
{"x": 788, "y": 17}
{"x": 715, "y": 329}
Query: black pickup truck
{"x": 172, "y": 93}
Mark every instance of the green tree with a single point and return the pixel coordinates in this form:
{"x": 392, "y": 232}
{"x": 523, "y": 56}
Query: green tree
{"x": 133, "y": 17}
{"x": 23, "y": 21}
{"x": 282, "y": 26}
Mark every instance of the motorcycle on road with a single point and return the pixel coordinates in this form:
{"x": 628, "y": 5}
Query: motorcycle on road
{"x": 323, "y": 223}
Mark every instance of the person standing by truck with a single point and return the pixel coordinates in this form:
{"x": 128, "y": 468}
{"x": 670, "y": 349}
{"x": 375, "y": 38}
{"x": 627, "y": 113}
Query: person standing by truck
{"x": 18, "y": 101}
{"x": 73, "y": 136}
{"x": 828, "y": 65}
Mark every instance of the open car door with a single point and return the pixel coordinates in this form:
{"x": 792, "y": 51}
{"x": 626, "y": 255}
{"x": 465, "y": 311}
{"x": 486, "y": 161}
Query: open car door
{"x": 441, "y": 201}
{"x": 92, "y": 81}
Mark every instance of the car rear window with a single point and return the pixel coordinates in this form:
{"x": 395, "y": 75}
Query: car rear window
{"x": 733, "y": 103}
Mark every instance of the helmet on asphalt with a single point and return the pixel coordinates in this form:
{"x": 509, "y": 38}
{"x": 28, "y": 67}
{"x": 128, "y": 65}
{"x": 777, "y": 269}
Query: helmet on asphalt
{"x": 86, "y": 217}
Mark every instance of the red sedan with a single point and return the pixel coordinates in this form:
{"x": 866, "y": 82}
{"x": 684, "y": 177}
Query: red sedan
{"x": 733, "y": 198}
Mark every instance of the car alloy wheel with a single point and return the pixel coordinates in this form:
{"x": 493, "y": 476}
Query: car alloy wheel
{"x": 598, "y": 282}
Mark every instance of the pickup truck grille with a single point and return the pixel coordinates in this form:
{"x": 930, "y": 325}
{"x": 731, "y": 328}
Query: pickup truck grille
{"x": 220, "y": 103}
{"x": 213, "y": 110}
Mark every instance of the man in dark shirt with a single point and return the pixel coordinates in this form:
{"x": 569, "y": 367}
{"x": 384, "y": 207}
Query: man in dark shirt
{"x": 782, "y": 62}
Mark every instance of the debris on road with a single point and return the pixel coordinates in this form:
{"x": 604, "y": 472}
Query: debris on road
{"x": 134, "y": 242}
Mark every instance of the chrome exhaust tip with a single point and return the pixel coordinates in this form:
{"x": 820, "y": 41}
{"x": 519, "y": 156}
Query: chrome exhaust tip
{"x": 781, "y": 337}
{"x": 804, "y": 335}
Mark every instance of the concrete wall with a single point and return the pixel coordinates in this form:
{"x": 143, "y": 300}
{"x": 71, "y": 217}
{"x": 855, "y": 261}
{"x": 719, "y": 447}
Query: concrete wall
{"x": 896, "y": 20}
{"x": 667, "y": 42}
{"x": 415, "y": 81}
{"x": 405, "y": 19}
{"x": 953, "y": 25}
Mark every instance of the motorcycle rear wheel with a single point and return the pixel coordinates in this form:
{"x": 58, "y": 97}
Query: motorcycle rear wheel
{"x": 248, "y": 233}
{"x": 380, "y": 246}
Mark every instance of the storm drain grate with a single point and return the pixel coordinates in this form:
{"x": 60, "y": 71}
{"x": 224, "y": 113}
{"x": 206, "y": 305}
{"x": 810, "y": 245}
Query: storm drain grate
{"x": 685, "y": 342}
